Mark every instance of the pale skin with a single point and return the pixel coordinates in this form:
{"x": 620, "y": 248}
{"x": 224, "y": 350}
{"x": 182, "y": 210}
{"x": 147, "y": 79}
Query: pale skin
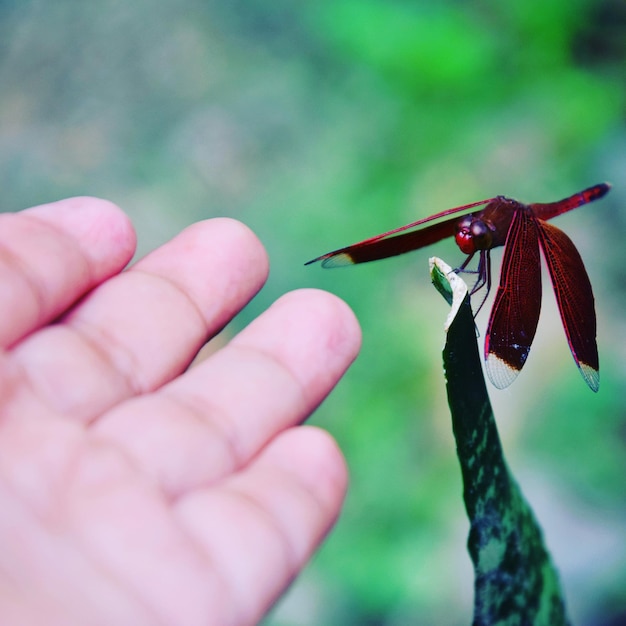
{"x": 134, "y": 490}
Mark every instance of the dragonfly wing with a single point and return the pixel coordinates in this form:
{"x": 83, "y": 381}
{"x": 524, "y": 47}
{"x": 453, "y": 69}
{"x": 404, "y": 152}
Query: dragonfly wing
{"x": 382, "y": 247}
{"x": 515, "y": 313}
{"x": 574, "y": 297}
{"x": 393, "y": 243}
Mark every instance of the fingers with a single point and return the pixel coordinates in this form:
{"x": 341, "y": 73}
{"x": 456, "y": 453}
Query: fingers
{"x": 52, "y": 254}
{"x": 216, "y": 417}
{"x": 143, "y": 327}
{"x": 269, "y": 517}
{"x": 218, "y": 556}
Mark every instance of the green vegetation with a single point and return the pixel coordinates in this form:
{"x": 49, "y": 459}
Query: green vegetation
{"x": 351, "y": 118}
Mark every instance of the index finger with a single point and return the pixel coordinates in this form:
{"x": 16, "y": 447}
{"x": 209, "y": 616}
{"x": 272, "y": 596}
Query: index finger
{"x": 51, "y": 255}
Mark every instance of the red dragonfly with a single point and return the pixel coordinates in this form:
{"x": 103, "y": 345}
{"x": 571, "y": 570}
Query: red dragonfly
{"x": 522, "y": 229}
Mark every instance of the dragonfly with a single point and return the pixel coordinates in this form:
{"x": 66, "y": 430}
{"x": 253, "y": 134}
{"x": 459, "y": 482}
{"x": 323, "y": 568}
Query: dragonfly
{"x": 523, "y": 230}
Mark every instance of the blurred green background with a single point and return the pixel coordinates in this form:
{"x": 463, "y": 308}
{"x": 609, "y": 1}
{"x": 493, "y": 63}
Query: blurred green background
{"x": 319, "y": 124}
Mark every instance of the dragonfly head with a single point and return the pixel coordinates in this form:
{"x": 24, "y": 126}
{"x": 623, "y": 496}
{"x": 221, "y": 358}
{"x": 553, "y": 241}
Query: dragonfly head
{"x": 473, "y": 234}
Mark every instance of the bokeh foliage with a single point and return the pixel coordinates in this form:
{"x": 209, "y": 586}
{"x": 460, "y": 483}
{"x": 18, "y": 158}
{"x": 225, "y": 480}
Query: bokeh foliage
{"x": 349, "y": 118}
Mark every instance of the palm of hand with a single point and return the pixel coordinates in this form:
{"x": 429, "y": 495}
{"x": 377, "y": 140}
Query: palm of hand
{"x": 133, "y": 491}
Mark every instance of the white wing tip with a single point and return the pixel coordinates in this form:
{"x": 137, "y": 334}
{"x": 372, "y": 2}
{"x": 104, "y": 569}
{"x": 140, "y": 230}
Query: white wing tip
{"x": 338, "y": 260}
{"x": 501, "y": 374}
{"x": 591, "y": 376}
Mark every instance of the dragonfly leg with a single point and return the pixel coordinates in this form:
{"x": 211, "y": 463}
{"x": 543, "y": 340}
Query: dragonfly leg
{"x": 462, "y": 269}
{"x": 484, "y": 278}
{"x": 484, "y": 275}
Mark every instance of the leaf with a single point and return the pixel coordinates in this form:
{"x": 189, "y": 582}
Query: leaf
{"x": 515, "y": 581}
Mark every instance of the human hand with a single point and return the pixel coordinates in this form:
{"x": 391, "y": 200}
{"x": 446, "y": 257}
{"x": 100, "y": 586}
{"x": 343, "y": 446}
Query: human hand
{"x": 133, "y": 491}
